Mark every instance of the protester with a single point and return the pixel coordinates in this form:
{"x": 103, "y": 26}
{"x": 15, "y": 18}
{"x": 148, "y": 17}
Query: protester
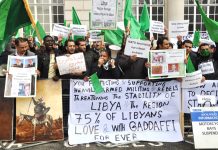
{"x": 106, "y": 67}
{"x": 22, "y": 47}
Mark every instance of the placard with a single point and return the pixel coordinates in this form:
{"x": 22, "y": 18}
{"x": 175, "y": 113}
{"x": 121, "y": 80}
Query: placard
{"x": 104, "y": 14}
{"x": 127, "y": 111}
{"x": 206, "y": 67}
{"x": 95, "y": 35}
{"x": 205, "y": 127}
{"x": 180, "y": 27}
{"x": 167, "y": 64}
{"x": 40, "y": 118}
{"x": 192, "y": 80}
{"x": 190, "y": 96}
{"x": 156, "y": 27}
{"x": 74, "y": 63}
{"x": 80, "y": 30}
{"x": 140, "y": 48}
{"x": 59, "y": 30}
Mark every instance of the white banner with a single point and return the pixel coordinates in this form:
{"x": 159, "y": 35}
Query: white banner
{"x": 104, "y": 14}
{"x": 140, "y": 48}
{"x": 74, "y": 63}
{"x": 80, "y": 30}
{"x": 178, "y": 28}
{"x": 128, "y": 110}
{"x": 191, "y": 96}
{"x": 59, "y": 30}
{"x": 192, "y": 80}
{"x": 156, "y": 27}
{"x": 205, "y": 127}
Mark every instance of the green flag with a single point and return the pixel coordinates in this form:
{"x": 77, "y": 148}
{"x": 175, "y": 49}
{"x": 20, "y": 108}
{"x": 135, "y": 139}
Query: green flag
{"x": 135, "y": 28}
{"x": 13, "y": 16}
{"x": 65, "y": 23}
{"x": 211, "y": 25}
{"x": 144, "y": 19}
{"x": 114, "y": 37}
{"x": 29, "y": 31}
{"x": 189, "y": 66}
{"x": 40, "y": 31}
{"x": 96, "y": 84}
{"x": 127, "y": 12}
{"x": 76, "y": 20}
{"x": 196, "y": 39}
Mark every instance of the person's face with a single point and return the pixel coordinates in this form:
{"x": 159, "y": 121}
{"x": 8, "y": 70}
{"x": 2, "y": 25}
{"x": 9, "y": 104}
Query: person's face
{"x": 173, "y": 67}
{"x": 27, "y": 89}
{"x": 94, "y": 44}
{"x": 205, "y": 47}
{"x": 211, "y": 49}
{"x": 104, "y": 56}
{"x": 98, "y": 45}
{"x": 12, "y": 43}
{"x": 165, "y": 45}
{"x": 70, "y": 47}
{"x": 30, "y": 61}
{"x": 82, "y": 46}
{"x": 188, "y": 47}
{"x": 18, "y": 61}
{"x": 49, "y": 43}
{"x": 22, "y": 48}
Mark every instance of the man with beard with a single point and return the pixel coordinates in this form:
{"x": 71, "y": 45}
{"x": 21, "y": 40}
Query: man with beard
{"x": 46, "y": 59}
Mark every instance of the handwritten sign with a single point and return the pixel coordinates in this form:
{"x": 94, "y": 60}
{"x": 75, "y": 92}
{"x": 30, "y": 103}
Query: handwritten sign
{"x": 80, "y": 30}
{"x": 74, "y": 63}
{"x": 178, "y": 28}
{"x": 205, "y": 127}
{"x": 192, "y": 80}
{"x": 156, "y": 27}
{"x": 95, "y": 35}
{"x": 60, "y": 30}
{"x": 190, "y": 96}
{"x": 104, "y": 14}
{"x": 206, "y": 67}
{"x": 137, "y": 47}
{"x": 126, "y": 111}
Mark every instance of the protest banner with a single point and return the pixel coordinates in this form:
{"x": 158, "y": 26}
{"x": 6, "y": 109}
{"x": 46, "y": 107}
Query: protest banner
{"x": 177, "y": 28}
{"x": 126, "y": 111}
{"x": 80, "y": 30}
{"x": 192, "y": 80}
{"x": 40, "y": 118}
{"x": 167, "y": 64}
{"x": 156, "y": 27}
{"x": 59, "y": 30}
{"x": 140, "y": 48}
{"x": 74, "y": 63}
{"x": 21, "y": 79}
{"x": 205, "y": 127}
{"x": 6, "y": 115}
{"x": 190, "y": 96}
{"x": 95, "y": 35}
{"x": 104, "y": 14}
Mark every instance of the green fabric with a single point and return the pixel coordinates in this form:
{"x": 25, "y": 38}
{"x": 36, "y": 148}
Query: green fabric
{"x": 13, "y": 16}
{"x": 205, "y": 53}
{"x": 211, "y": 25}
{"x": 144, "y": 19}
{"x": 76, "y": 20}
{"x": 29, "y": 31}
{"x": 127, "y": 12}
{"x": 114, "y": 37}
{"x": 189, "y": 66}
{"x": 96, "y": 84}
{"x": 65, "y": 23}
{"x": 40, "y": 31}
{"x": 196, "y": 39}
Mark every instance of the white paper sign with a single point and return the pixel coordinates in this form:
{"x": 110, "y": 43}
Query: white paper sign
{"x": 178, "y": 28}
{"x": 137, "y": 47}
{"x": 190, "y": 96}
{"x": 206, "y": 98}
{"x": 126, "y": 111}
{"x": 104, "y": 14}
{"x": 192, "y": 80}
{"x": 156, "y": 27}
{"x": 60, "y": 30}
{"x": 95, "y": 35}
{"x": 80, "y": 30}
{"x": 206, "y": 67}
{"x": 205, "y": 127}
{"x": 75, "y": 63}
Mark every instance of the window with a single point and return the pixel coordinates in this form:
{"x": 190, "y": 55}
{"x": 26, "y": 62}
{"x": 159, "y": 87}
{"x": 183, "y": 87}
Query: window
{"x": 48, "y": 12}
{"x": 195, "y": 20}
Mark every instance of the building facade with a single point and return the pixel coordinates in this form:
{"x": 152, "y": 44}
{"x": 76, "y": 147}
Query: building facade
{"x": 49, "y": 12}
